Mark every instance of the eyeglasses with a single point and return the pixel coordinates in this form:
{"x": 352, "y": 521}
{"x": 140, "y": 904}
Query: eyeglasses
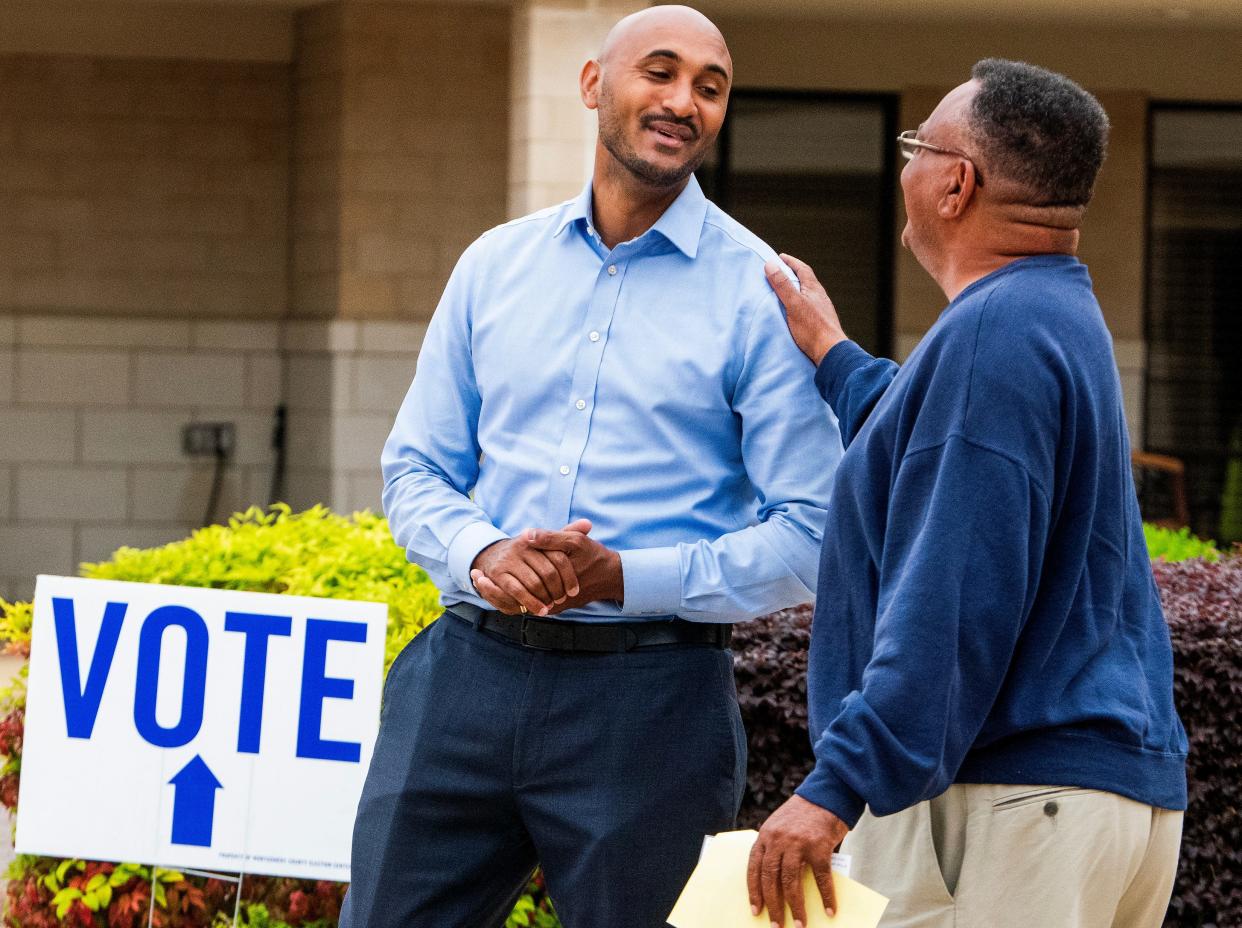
{"x": 909, "y": 146}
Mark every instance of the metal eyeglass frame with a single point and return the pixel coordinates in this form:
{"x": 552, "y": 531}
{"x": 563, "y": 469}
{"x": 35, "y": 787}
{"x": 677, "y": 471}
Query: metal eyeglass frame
{"x": 908, "y": 144}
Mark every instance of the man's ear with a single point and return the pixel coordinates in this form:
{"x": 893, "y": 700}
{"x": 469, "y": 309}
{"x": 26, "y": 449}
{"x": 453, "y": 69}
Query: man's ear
{"x": 958, "y": 191}
{"x": 588, "y": 83}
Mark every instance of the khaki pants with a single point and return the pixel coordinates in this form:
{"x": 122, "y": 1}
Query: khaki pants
{"x": 991, "y": 856}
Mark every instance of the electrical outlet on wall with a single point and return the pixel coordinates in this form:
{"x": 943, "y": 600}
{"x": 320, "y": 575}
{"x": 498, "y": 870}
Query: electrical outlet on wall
{"x": 208, "y": 439}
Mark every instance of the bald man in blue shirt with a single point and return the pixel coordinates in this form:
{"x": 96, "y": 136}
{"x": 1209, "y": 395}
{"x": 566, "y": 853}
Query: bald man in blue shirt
{"x": 600, "y": 465}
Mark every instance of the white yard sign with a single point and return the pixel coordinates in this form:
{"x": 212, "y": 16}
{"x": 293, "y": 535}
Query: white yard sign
{"x": 198, "y": 728}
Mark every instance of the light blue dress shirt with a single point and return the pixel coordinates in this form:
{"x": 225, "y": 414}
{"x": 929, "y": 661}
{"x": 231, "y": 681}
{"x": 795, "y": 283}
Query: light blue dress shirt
{"x": 653, "y": 389}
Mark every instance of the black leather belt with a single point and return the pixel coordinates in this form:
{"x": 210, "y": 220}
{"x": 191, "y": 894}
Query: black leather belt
{"x": 600, "y": 637}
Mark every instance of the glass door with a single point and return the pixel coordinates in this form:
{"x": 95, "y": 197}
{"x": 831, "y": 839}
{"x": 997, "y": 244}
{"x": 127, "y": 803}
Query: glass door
{"x": 1194, "y": 308}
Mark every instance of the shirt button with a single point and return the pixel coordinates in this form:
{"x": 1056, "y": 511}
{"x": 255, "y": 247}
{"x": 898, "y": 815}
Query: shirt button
{"x": 564, "y": 470}
{"x": 612, "y": 270}
{"x": 594, "y": 336}
{"x": 581, "y": 404}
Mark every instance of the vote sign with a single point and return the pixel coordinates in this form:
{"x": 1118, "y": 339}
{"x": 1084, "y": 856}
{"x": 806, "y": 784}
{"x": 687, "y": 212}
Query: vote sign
{"x": 199, "y": 728}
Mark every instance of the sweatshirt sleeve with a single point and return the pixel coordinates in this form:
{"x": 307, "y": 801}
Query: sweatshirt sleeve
{"x": 851, "y": 381}
{"x": 957, "y": 578}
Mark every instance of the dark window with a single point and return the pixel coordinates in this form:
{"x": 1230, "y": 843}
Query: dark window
{"x": 813, "y": 175}
{"x": 1194, "y": 308}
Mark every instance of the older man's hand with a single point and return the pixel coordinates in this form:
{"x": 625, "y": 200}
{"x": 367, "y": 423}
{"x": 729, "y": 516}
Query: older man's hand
{"x": 812, "y": 319}
{"x": 798, "y": 834}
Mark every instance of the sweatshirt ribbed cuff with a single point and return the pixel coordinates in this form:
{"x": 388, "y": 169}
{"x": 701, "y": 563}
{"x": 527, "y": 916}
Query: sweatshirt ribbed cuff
{"x": 828, "y": 792}
{"x": 841, "y": 360}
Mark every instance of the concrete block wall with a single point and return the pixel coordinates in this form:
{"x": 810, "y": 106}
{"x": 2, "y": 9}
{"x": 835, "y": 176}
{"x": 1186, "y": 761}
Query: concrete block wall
{"x": 91, "y": 412}
{"x": 344, "y": 380}
{"x": 401, "y": 153}
{"x": 179, "y": 241}
{"x": 318, "y": 81}
{"x": 143, "y": 187}
{"x": 552, "y": 135}
{"x": 143, "y": 256}
{"x": 425, "y": 148}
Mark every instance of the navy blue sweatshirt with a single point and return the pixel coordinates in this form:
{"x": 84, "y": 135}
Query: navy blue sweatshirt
{"x": 986, "y": 609}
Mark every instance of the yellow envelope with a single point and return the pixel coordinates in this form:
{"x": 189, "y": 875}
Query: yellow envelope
{"x": 716, "y": 895}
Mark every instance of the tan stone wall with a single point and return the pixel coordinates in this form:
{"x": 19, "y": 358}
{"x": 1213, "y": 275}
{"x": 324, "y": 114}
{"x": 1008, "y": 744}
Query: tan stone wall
{"x": 209, "y": 31}
{"x": 552, "y": 133}
{"x": 344, "y": 380}
{"x": 1173, "y": 61}
{"x": 143, "y": 187}
{"x": 425, "y": 149}
{"x": 315, "y": 230}
{"x": 1114, "y": 233}
{"x": 402, "y": 152}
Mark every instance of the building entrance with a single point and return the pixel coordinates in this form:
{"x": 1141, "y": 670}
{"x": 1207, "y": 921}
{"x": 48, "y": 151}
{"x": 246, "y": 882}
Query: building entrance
{"x": 1194, "y": 307}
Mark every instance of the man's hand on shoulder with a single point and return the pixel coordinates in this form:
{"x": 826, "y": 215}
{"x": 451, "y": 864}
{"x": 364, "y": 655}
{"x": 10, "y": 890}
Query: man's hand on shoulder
{"x": 515, "y": 576}
{"x": 798, "y": 834}
{"x": 812, "y": 319}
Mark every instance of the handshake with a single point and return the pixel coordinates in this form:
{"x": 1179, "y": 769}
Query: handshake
{"x": 542, "y": 572}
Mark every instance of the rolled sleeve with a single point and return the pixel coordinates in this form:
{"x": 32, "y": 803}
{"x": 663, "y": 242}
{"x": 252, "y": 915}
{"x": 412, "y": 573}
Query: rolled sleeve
{"x": 652, "y": 578}
{"x": 465, "y": 547}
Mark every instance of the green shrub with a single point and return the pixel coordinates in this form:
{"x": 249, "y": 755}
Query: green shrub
{"x": 256, "y": 915}
{"x": 311, "y": 553}
{"x": 318, "y": 553}
{"x": 1174, "y": 545}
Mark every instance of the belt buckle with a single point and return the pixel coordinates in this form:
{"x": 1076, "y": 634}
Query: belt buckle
{"x": 526, "y": 643}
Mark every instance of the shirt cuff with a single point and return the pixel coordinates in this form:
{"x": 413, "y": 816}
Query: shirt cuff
{"x": 828, "y": 792}
{"x": 465, "y": 547}
{"x": 652, "y": 580}
{"x": 841, "y": 360}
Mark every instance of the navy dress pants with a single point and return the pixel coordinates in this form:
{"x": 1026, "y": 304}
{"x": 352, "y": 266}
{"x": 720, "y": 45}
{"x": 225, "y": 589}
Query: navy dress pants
{"x": 606, "y": 769}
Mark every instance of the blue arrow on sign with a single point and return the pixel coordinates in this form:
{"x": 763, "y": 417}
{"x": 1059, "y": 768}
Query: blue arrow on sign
{"x": 194, "y": 803}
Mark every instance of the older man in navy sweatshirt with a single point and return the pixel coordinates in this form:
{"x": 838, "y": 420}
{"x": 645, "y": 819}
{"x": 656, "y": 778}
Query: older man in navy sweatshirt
{"x": 991, "y": 681}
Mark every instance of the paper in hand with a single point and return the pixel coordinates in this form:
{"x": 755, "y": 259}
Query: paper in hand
{"x": 716, "y": 897}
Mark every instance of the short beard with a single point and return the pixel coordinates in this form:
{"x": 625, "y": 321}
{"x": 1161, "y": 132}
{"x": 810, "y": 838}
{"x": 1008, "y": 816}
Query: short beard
{"x": 612, "y": 135}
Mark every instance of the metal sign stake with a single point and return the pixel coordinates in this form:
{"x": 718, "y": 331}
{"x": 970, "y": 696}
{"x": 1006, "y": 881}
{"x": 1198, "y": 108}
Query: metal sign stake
{"x": 240, "y": 880}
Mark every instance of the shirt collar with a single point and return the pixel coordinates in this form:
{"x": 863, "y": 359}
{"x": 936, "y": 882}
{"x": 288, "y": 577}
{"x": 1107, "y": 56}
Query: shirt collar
{"x": 681, "y": 224}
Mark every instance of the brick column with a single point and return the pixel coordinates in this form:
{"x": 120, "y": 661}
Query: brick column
{"x": 400, "y": 161}
{"x": 552, "y": 135}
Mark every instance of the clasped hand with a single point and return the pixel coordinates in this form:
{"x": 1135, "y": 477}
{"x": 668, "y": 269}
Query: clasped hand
{"x": 544, "y": 572}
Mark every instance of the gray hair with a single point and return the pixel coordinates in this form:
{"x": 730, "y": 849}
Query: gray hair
{"x": 1039, "y": 130}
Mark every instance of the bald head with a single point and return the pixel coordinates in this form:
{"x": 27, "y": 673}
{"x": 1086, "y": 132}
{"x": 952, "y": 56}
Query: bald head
{"x": 641, "y": 32}
{"x": 661, "y": 86}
